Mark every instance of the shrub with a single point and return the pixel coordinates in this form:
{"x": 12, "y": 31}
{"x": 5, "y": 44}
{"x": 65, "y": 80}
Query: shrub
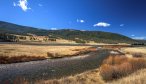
{"x": 118, "y": 66}
{"x": 106, "y": 71}
{"x": 53, "y": 55}
{"x": 137, "y": 55}
{"x": 137, "y": 63}
{"x": 112, "y": 60}
{"x": 80, "y": 41}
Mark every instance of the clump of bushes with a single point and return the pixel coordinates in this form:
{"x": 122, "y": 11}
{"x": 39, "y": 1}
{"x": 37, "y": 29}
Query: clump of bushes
{"x": 80, "y": 41}
{"x": 53, "y": 55}
{"x": 116, "y": 67}
{"x": 137, "y": 55}
{"x": 52, "y": 39}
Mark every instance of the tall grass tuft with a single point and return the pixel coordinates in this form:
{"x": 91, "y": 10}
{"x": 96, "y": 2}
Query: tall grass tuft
{"x": 116, "y": 67}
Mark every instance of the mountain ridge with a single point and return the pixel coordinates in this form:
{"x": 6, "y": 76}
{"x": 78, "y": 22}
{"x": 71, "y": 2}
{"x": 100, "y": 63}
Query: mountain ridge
{"x": 69, "y": 34}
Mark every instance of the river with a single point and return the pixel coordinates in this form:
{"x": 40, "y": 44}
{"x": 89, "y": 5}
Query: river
{"x": 52, "y": 68}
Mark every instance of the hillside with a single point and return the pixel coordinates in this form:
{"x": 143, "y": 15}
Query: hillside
{"x": 69, "y": 34}
{"x": 11, "y": 28}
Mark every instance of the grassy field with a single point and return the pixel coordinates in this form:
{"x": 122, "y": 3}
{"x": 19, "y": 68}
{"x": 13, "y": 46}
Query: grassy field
{"x": 10, "y": 53}
{"x": 132, "y": 50}
{"x": 31, "y": 50}
{"x": 114, "y": 70}
{"x": 136, "y": 78}
{"x": 13, "y": 53}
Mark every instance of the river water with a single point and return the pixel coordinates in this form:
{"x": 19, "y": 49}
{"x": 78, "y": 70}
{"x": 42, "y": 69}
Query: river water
{"x": 52, "y": 68}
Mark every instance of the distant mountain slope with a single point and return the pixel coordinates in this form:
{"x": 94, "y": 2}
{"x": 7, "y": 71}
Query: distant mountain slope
{"x": 97, "y": 36}
{"x": 6, "y": 27}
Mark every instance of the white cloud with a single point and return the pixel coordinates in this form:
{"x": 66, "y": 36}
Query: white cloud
{"x": 40, "y": 5}
{"x": 140, "y": 38}
{"x": 14, "y": 4}
{"x": 53, "y": 28}
{"x": 132, "y": 35}
{"x": 122, "y": 25}
{"x": 23, "y": 4}
{"x": 80, "y": 21}
{"x": 102, "y": 24}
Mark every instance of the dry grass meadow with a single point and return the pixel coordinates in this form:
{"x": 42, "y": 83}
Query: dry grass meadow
{"x": 116, "y": 69}
{"x": 132, "y": 50}
{"x": 10, "y": 53}
{"x": 136, "y": 78}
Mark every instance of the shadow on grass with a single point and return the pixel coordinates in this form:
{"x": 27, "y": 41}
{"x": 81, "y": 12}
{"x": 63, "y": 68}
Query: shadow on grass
{"x": 17, "y": 59}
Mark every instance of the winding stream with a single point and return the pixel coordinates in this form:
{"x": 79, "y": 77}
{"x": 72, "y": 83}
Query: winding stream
{"x": 52, "y": 68}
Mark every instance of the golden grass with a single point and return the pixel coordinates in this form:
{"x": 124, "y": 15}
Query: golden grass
{"x": 76, "y": 51}
{"x": 30, "y": 50}
{"x": 135, "y": 78}
{"x": 115, "y": 46}
{"x": 92, "y": 77}
{"x": 89, "y": 77}
{"x": 134, "y": 50}
{"x": 10, "y": 53}
{"x": 116, "y": 67}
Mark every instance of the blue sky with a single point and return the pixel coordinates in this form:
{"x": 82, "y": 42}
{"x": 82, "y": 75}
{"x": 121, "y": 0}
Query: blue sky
{"x": 127, "y": 17}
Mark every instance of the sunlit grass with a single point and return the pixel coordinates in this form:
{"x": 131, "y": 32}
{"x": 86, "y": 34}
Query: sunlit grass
{"x": 116, "y": 67}
{"x": 13, "y": 53}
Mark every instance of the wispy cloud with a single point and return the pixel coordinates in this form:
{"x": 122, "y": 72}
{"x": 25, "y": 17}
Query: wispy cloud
{"x": 23, "y": 4}
{"x": 102, "y": 24}
{"x": 40, "y": 5}
{"x": 140, "y": 38}
{"x": 14, "y": 4}
{"x": 54, "y": 29}
{"x": 121, "y": 25}
{"x": 80, "y": 21}
{"x": 132, "y": 35}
